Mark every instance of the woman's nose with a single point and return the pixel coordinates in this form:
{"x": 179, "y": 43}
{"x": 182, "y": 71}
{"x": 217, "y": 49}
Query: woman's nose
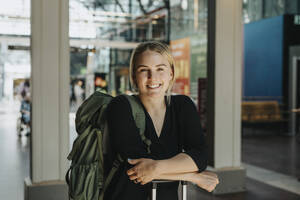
{"x": 152, "y": 75}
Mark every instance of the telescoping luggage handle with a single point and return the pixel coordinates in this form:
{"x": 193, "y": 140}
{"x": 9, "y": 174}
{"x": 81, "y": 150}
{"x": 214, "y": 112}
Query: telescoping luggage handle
{"x": 154, "y": 188}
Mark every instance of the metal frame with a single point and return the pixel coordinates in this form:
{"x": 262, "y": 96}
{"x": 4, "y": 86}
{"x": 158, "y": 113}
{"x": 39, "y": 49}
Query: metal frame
{"x": 294, "y": 91}
{"x": 211, "y": 51}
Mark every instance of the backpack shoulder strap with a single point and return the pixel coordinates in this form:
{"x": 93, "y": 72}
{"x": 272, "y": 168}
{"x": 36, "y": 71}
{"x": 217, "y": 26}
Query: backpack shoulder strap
{"x": 139, "y": 118}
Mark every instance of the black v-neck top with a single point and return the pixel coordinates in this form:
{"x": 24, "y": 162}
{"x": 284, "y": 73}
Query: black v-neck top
{"x": 181, "y": 130}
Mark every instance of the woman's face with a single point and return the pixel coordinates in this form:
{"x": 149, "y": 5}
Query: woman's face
{"x": 153, "y": 74}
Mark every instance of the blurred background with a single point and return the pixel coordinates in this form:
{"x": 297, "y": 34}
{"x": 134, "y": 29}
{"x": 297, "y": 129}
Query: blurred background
{"x": 102, "y": 35}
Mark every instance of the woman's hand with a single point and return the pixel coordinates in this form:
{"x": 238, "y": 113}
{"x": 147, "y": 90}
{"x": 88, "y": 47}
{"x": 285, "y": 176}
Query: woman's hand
{"x": 144, "y": 171}
{"x": 206, "y": 180}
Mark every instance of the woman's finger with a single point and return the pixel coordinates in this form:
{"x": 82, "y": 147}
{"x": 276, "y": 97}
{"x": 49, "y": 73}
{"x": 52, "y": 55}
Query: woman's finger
{"x": 133, "y": 170}
{"x": 130, "y": 172}
{"x": 134, "y": 161}
{"x": 133, "y": 177}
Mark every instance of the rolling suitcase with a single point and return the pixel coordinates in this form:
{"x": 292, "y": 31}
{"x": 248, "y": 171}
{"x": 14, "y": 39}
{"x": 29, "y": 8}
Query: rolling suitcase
{"x": 154, "y": 187}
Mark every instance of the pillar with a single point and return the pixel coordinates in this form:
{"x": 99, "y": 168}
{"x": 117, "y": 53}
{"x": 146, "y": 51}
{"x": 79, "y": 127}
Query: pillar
{"x": 50, "y": 99}
{"x": 225, "y": 61}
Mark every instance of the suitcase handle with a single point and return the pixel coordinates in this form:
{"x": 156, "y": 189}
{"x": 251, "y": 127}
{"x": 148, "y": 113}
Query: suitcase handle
{"x": 154, "y": 188}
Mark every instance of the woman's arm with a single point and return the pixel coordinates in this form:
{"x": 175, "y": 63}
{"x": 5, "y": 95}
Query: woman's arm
{"x": 193, "y": 140}
{"x": 205, "y": 180}
{"x": 194, "y": 159}
{"x": 181, "y": 163}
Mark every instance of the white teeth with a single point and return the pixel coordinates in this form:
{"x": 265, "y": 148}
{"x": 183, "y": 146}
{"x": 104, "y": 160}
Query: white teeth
{"x": 154, "y": 86}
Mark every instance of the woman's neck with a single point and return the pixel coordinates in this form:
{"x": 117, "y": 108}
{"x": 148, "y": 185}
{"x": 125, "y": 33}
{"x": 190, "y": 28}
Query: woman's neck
{"x": 153, "y": 104}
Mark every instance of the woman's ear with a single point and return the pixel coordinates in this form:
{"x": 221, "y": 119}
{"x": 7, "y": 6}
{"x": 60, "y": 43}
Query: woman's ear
{"x": 172, "y": 74}
{"x": 135, "y": 83}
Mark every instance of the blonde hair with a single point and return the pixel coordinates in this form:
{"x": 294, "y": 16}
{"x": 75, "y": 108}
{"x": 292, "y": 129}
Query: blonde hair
{"x": 155, "y": 46}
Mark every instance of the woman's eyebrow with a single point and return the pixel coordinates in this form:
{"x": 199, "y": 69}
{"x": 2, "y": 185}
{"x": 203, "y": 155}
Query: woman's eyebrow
{"x": 141, "y": 66}
{"x": 161, "y": 65}
{"x": 155, "y": 65}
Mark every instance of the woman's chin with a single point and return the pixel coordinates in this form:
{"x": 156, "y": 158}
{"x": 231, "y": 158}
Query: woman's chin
{"x": 154, "y": 93}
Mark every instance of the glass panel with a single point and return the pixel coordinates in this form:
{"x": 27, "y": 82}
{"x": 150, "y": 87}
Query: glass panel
{"x": 254, "y": 10}
{"x": 103, "y": 35}
{"x": 270, "y": 102}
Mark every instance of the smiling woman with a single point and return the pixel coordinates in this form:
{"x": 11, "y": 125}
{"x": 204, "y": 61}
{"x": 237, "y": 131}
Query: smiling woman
{"x": 149, "y": 58}
{"x": 172, "y": 125}
{"x": 153, "y": 78}
{"x": 153, "y": 74}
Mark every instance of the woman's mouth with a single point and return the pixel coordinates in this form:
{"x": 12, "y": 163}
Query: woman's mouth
{"x": 153, "y": 86}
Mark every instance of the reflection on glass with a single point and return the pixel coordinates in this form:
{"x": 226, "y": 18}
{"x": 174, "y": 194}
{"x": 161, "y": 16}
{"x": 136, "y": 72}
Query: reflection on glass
{"x": 103, "y": 35}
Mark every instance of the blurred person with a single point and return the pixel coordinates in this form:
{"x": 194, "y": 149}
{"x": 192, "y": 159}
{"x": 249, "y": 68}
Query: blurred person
{"x": 172, "y": 125}
{"x": 101, "y": 84}
{"x": 72, "y": 98}
{"x": 78, "y": 92}
{"x": 25, "y": 112}
{"x": 26, "y": 87}
{"x": 23, "y": 87}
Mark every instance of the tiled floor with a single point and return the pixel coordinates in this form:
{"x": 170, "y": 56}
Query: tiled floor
{"x": 255, "y": 191}
{"x": 14, "y": 155}
{"x": 277, "y": 153}
{"x": 14, "y": 163}
{"x": 282, "y": 181}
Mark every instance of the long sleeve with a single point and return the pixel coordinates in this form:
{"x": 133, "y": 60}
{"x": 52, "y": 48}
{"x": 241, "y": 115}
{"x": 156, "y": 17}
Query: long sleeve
{"x": 192, "y": 134}
{"x": 125, "y": 138}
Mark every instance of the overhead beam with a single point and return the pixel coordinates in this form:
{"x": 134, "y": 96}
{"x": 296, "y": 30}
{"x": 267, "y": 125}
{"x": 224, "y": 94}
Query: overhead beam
{"x": 25, "y": 41}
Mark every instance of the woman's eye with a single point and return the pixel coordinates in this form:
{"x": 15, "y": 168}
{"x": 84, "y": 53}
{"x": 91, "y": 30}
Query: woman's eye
{"x": 160, "y": 69}
{"x": 142, "y": 70}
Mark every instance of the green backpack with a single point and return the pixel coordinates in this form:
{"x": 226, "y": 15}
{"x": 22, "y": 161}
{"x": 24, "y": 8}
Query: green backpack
{"x": 85, "y": 177}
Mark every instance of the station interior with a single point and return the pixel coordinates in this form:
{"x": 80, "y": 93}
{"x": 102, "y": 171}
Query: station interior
{"x": 237, "y": 60}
